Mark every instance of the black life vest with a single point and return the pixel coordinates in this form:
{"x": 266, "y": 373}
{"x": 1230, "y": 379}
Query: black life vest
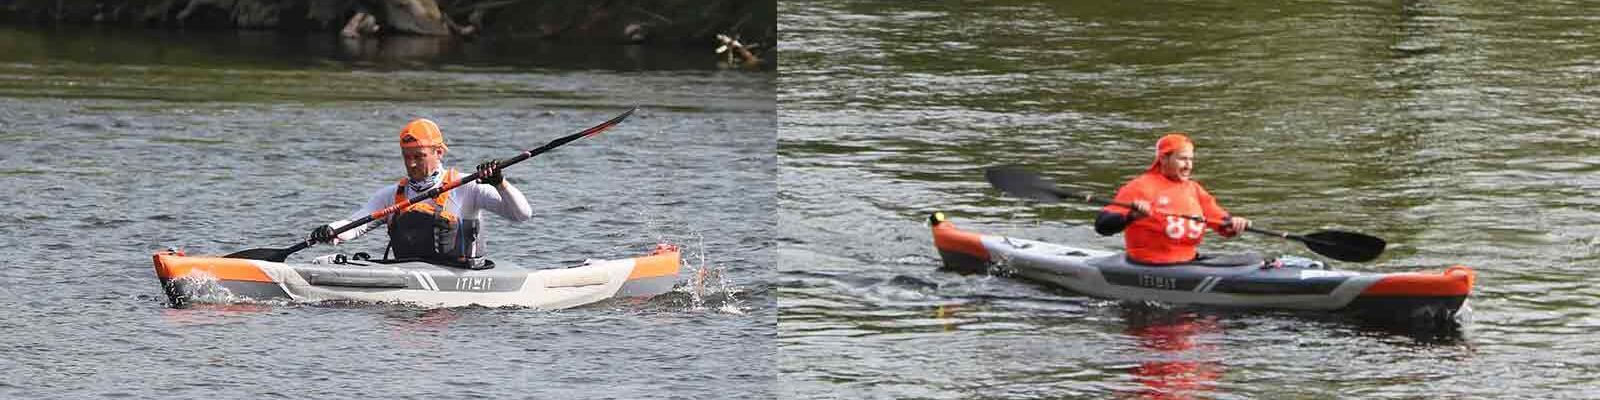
{"x": 428, "y": 232}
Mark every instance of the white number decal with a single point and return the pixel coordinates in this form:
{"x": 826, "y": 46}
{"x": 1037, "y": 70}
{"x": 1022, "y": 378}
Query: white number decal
{"x": 1179, "y": 227}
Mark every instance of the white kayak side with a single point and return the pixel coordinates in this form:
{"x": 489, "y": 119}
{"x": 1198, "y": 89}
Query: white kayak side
{"x": 418, "y": 283}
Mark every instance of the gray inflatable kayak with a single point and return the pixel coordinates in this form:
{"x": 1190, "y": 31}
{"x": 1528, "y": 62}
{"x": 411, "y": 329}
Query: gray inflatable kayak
{"x": 1232, "y": 281}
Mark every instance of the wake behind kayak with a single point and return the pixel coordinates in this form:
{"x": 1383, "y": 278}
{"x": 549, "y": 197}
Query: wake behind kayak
{"x": 1419, "y": 299}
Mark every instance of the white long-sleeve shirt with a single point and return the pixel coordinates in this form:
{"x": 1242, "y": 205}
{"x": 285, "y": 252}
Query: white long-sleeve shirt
{"x": 467, "y": 202}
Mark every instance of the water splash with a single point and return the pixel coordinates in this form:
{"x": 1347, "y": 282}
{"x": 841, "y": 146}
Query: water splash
{"x": 201, "y": 287}
{"x": 708, "y": 286}
{"x": 1463, "y": 316}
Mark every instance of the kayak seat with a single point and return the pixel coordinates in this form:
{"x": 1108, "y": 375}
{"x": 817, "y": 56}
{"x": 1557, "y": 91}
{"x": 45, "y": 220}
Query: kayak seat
{"x": 1251, "y": 259}
{"x": 1213, "y": 260}
{"x": 479, "y": 264}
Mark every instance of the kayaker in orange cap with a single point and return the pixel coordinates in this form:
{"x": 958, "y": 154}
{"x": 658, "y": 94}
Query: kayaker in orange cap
{"x": 445, "y": 228}
{"x": 1157, "y": 231}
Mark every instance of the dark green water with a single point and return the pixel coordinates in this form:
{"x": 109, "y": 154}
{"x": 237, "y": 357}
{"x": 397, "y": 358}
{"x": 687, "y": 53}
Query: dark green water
{"x": 118, "y": 144}
{"x": 1462, "y": 132}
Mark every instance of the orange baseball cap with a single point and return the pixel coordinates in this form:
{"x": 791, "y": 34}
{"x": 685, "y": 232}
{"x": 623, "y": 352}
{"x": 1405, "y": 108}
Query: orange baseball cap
{"x": 421, "y": 132}
{"x": 1171, "y": 142}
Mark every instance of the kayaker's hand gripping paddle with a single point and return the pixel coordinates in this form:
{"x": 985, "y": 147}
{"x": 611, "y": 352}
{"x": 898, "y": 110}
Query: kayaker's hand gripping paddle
{"x": 280, "y": 255}
{"x": 1338, "y": 245}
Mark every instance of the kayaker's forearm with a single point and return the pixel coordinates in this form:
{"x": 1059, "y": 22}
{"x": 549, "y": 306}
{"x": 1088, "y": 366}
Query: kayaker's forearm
{"x": 383, "y": 197}
{"x": 355, "y": 232}
{"x": 513, "y": 205}
{"x": 1110, "y": 223}
{"x": 378, "y": 201}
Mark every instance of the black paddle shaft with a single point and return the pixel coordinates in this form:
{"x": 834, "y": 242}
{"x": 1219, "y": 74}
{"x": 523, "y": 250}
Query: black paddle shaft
{"x": 279, "y": 255}
{"x": 1339, "y": 245}
{"x": 430, "y": 193}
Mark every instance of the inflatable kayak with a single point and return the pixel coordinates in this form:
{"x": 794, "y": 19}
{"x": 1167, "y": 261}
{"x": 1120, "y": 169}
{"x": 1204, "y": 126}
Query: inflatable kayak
{"x": 214, "y": 279}
{"x": 1228, "y": 281}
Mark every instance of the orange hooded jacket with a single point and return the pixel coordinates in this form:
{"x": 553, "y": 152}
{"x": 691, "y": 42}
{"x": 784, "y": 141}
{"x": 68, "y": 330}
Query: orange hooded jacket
{"x": 1166, "y": 237}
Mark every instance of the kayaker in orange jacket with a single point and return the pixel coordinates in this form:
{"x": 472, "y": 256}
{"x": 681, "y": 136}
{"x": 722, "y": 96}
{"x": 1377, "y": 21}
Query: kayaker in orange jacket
{"x": 1157, "y": 228}
{"x": 445, "y": 228}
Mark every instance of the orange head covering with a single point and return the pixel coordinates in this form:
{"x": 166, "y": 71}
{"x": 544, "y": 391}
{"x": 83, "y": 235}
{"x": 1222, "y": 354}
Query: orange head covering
{"x": 1171, "y": 142}
{"x": 421, "y": 132}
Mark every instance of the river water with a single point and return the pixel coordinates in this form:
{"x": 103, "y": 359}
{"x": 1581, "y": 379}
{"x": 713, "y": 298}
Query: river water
{"x": 118, "y": 144}
{"x": 1462, "y": 132}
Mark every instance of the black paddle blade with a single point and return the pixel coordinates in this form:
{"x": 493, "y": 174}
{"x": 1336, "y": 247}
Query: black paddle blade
{"x": 1345, "y": 246}
{"x": 263, "y": 254}
{"x": 595, "y": 130}
{"x": 1022, "y": 183}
